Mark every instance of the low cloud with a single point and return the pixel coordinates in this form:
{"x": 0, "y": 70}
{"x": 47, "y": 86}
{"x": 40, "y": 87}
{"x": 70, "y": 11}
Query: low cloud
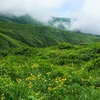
{"x": 87, "y": 12}
{"x": 40, "y": 9}
{"x": 88, "y": 20}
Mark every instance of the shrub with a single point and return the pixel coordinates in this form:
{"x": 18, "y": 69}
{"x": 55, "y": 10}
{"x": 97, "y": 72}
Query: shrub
{"x": 65, "y": 45}
{"x": 93, "y": 64}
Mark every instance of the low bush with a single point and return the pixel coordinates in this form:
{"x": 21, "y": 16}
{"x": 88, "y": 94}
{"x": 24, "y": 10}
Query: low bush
{"x": 65, "y": 45}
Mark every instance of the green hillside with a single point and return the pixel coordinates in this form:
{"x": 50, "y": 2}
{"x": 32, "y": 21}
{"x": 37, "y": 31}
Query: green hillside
{"x": 7, "y": 42}
{"x": 25, "y": 19}
{"x": 62, "y": 72}
{"x": 38, "y": 36}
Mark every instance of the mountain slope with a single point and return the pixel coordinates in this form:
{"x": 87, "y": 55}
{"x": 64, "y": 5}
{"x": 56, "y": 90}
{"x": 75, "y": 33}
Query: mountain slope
{"x": 40, "y": 36}
{"x": 51, "y": 73}
{"x": 25, "y": 19}
{"x": 6, "y": 42}
{"x": 56, "y": 22}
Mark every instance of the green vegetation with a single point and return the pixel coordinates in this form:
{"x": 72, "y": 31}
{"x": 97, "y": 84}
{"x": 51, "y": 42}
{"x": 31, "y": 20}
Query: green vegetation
{"x": 62, "y": 72}
{"x": 38, "y": 36}
{"x": 10, "y": 42}
{"x": 26, "y": 19}
{"x": 66, "y": 66}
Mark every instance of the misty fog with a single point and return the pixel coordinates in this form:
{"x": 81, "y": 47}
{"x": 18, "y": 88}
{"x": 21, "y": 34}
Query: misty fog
{"x": 88, "y": 15}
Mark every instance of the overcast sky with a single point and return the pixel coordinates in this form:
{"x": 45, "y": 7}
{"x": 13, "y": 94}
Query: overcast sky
{"x": 42, "y": 8}
{"x": 86, "y": 11}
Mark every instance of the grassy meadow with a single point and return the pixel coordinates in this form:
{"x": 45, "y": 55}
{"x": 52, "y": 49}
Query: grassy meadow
{"x": 62, "y": 72}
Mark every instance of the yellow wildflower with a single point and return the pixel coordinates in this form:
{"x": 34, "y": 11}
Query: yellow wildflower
{"x": 36, "y": 94}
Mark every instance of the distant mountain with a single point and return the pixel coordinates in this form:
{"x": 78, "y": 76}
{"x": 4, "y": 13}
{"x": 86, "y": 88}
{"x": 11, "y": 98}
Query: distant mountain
{"x": 25, "y": 19}
{"x": 61, "y": 23}
{"x": 56, "y": 22}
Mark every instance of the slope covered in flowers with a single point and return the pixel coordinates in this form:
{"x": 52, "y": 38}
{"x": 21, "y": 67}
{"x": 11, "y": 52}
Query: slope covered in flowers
{"x": 62, "y": 72}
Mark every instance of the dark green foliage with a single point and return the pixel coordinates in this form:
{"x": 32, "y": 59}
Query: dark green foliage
{"x": 23, "y": 51}
{"x": 93, "y": 64}
{"x": 65, "y": 45}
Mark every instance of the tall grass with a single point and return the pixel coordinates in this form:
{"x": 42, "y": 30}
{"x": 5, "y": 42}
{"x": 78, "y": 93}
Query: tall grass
{"x": 50, "y": 73}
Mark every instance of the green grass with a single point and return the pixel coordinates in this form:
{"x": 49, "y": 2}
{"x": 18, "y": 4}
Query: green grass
{"x": 54, "y": 73}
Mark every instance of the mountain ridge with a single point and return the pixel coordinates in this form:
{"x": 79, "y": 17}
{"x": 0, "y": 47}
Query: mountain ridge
{"x": 25, "y": 19}
{"x": 38, "y": 35}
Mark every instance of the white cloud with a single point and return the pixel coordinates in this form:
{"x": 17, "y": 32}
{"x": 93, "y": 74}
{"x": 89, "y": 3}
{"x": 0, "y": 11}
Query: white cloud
{"x": 40, "y": 9}
{"x": 89, "y": 18}
{"x": 88, "y": 14}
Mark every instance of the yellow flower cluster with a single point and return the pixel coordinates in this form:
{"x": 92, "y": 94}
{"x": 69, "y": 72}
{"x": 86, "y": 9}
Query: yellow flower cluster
{"x": 88, "y": 79}
{"x": 59, "y": 79}
{"x": 39, "y": 76}
{"x": 30, "y": 78}
{"x": 35, "y": 65}
{"x": 54, "y": 88}
{"x": 18, "y": 80}
{"x": 30, "y": 85}
{"x": 48, "y": 73}
{"x": 2, "y": 96}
